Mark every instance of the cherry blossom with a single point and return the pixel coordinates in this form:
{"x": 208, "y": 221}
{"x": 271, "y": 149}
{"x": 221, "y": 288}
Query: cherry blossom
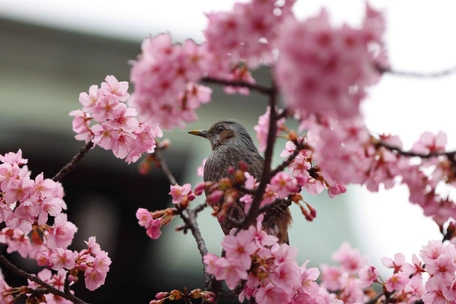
{"x": 336, "y": 64}
{"x": 109, "y": 123}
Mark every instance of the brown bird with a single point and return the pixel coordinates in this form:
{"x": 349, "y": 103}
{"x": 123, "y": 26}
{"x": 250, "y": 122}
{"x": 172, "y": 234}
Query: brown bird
{"x": 232, "y": 144}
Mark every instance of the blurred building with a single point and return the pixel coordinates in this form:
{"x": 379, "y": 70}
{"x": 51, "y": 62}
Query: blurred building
{"x": 42, "y": 72}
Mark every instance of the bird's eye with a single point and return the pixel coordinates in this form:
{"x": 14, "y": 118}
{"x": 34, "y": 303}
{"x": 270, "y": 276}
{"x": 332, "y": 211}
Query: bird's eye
{"x": 220, "y": 129}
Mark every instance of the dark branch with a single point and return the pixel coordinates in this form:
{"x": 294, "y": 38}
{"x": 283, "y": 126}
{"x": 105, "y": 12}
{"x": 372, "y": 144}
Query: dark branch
{"x": 76, "y": 159}
{"x": 436, "y": 74}
{"x": 163, "y": 166}
{"x": 277, "y": 203}
{"x": 255, "y": 87}
{"x": 451, "y": 155}
{"x": 289, "y": 160}
{"x": 190, "y": 222}
{"x": 49, "y": 288}
{"x": 200, "y": 207}
{"x": 266, "y": 175}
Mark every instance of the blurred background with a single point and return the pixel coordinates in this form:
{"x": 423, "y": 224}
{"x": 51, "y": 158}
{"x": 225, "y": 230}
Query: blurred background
{"x": 50, "y": 51}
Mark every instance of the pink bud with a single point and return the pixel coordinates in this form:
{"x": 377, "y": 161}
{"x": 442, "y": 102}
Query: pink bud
{"x": 215, "y": 197}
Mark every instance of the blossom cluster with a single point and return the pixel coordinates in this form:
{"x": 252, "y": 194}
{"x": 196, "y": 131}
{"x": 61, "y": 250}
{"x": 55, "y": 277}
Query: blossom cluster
{"x": 336, "y": 64}
{"x": 108, "y": 122}
{"x": 165, "y": 76}
{"x": 346, "y": 153}
{"x": 93, "y": 261}
{"x": 25, "y": 207}
{"x": 248, "y": 32}
{"x": 153, "y": 221}
{"x": 269, "y": 269}
{"x": 407, "y": 282}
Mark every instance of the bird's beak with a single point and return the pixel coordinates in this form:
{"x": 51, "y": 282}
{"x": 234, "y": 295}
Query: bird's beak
{"x": 202, "y": 133}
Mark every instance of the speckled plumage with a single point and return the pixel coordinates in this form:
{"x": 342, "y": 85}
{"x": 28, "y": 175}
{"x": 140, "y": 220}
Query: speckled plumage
{"x": 231, "y": 144}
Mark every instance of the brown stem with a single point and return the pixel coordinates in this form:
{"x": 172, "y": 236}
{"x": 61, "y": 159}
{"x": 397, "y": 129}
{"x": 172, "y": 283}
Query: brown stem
{"x": 200, "y": 207}
{"x": 49, "y": 288}
{"x": 255, "y": 87}
{"x": 266, "y": 175}
{"x": 436, "y": 74}
{"x": 163, "y": 166}
{"x": 288, "y": 161}
{"x": 190, "y": 222}
{"x": 72, "y": 164}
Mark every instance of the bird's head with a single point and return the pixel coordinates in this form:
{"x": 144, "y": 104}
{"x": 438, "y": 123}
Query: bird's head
{"x": 227, "y": 132}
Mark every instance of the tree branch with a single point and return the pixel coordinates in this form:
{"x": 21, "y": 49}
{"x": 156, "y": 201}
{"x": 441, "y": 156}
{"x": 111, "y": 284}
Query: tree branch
{"x": 451, "y": 155}
{"x": 76, "y": 159}
{"x": 288, "y": 161}
{"x": 436, "y": 74}
{"x": 49, "y": 288}
{"x": 266, "y": 175}
{"x": 251, "y": 86}
{"x": 163, "y": 166}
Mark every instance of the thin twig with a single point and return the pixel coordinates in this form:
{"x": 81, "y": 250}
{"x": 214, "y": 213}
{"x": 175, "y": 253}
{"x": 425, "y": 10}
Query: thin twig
{"x": 163, "y": 166}
{"x": 436, "y": 74}
{"x": 200, "y": 207}
{"x": 251, "y": 86}
{"x": 289, "y": 160}
{"x": 51, "y": 289}
{"x": 191, "y": 223}
{"x": 72, "y": 164}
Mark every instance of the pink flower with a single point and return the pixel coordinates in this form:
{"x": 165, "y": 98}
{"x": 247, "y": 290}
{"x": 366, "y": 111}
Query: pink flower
{"x": 261, "y": 238}
{"x": 429, "y": 143}
{"x": 102, "y": 261}
{"x": 92, "y": 245}
{"x": 105, "y": 136}
{"x": 210, "y": 259}
{"x": 113, "y": 86}
{"x": 60, "y": 234}
{"x": 180, "y": 193}
{"x": 435, "y": 291}
{"x": 335, "y": 190}
{"x": 154, "y": 231}
{"x": 308, "y": 278}
{"x": 271, "y": 295}
{"x": 89, "y": 100}
{"x": 350, "y": 259}
{"x": 94, "y": 278}
{"x": 416, "y": 268}
{"x": 442, "y": 268}
{"x": 18, "y": 190}
{"x": 396, "y": 264}
{"x": 144, "y": 217}
{"x": 283, "y": 184}
{"x": 287, "y": 276}
{"x": 13, "y": 158}
{"x": 432, "y": 251}
{"x": 239, "y": 248}
{"x": 231, "y": 272}
{"x": 331, "y": 277}
{"x": 396, "y": 282}
{"x": 262, "y": 129}
{"x": 124, "y": 118}
{"x": 367, "y": 275}
{"x": 81, "y": 126}
{"x": 62, "y": 258}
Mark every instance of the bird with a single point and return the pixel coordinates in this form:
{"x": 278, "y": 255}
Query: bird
{"x": 231, "y": 144}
